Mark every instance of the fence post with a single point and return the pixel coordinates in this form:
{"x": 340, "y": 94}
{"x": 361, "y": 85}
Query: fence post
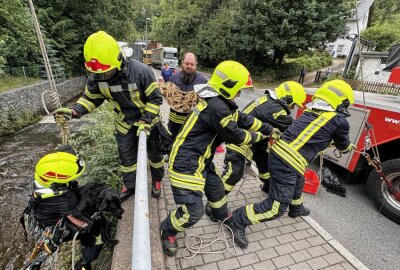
{"x": 141, "y": 257}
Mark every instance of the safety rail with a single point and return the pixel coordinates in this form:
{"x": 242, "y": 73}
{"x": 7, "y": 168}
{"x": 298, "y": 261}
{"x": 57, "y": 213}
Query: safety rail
{"x": 141, "y": 255}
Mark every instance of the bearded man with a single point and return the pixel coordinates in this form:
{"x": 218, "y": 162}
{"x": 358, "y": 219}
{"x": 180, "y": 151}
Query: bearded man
{"x": 185, "y": 80}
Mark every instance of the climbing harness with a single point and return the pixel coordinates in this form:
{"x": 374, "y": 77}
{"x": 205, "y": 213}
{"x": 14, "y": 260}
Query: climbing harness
{"x": 53, "y": 93}
{"x": 48, "y": 243}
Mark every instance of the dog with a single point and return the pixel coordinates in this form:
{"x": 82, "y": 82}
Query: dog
{"x": 94, "y": 199}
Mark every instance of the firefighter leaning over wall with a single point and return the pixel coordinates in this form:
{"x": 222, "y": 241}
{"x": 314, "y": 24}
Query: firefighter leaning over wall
{"x": 214, "y": 120}
{"x": 324, "y": 120}
{"x": 130, "y": 86}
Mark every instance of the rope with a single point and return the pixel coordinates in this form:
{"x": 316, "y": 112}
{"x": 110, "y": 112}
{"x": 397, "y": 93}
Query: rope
{"x": 204, "y": 242}
{"x": 367, "y": 125}
{"x": 73, "y": 249}
{"x": 201, "y": 243}
{"x": 177, "y": 99}
{"x": 53, "y": 93}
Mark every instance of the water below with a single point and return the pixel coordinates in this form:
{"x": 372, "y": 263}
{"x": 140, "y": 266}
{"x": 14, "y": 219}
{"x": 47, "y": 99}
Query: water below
{"x": 18, "y": 155}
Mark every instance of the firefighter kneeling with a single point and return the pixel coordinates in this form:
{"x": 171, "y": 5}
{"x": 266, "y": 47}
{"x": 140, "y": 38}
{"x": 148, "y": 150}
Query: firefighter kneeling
{"x": 54, "y": 197}
{"x": 324, "y": 120}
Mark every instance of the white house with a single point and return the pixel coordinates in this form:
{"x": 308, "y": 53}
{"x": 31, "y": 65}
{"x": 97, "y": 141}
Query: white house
{"x": 373, "y": 64}
{"x": 343, "y": 45}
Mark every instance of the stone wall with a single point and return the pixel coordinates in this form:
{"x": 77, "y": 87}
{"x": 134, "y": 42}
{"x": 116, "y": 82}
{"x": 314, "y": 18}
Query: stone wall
{"x": 29, "y": 98}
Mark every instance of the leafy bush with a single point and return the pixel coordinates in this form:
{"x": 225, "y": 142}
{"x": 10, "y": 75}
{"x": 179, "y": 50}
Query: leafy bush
{"x": 97, "y": 146}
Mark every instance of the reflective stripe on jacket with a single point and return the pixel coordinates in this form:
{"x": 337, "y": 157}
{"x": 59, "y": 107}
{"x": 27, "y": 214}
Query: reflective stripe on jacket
{"x": 133, "y": 93}
{"x": 310, "y": 134}
{"x": 267, "y": 110}
{"x": 213, "y": 121}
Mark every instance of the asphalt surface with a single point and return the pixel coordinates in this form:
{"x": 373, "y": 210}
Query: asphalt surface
{"x": 354, "y": 221}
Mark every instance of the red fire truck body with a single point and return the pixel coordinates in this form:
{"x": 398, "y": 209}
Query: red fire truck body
{"x": 382, "y": 112}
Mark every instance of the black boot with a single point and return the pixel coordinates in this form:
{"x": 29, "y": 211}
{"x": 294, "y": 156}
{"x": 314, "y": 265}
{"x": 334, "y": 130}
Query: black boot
{"x": 126, "y": 193}
{"x": 156, "y": 189}
{"x": 239, "y": 235}
{"x": 169, "y": 245}
{"x": 303, "y": 212}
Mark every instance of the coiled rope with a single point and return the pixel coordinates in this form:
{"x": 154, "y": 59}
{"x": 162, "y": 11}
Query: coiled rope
{"x": 193, "y": 248}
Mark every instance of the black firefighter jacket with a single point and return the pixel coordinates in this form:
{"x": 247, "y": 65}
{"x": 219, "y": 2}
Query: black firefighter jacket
{"x": 267, "y": 110}
{"x": 310, "y": 134}
{"x": 213, "y": 121}
{"x": 133, "y": 92}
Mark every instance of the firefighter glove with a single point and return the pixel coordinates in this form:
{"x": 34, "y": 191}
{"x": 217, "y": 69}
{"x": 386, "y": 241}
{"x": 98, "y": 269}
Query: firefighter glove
{"x": 62, "y": 115}
{"x": 348, "y": 149}
{"x": 143, "y": 126}
{"x": 259, "y": 137}
{"x": 275, "y": 134}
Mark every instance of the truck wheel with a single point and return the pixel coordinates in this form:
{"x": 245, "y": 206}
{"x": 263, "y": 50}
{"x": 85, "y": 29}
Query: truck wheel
{"x": 377, "y": 189}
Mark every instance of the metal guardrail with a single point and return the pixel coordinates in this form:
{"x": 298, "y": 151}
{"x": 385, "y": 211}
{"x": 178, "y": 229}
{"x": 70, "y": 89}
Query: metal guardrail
{"x": 141, "y": 252}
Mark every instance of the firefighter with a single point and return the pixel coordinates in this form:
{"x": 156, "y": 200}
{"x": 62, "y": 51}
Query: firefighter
{"x": 54, "y": 197}
{"x": 130, "y": 86}
{"x": 274, "y": 109}
{"x": 324, "y": 120}
{"x": 215, "y": 119}
{"x": 185, "y": 80}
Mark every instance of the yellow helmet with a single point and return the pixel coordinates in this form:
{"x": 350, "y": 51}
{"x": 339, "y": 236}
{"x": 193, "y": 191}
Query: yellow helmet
{"x": 335, "y": 92}
{"x": 58, "y": 167}
{"x": 229, "y": 78}
{"x": 102, "y": 53}
{"x": 291, "y": 92}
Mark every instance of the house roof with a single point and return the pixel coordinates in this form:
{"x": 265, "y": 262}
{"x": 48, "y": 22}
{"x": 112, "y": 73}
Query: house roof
{"x": 367, "y": 42}
{"x": 373, "y": 54}
{"x": 363, "y": 7}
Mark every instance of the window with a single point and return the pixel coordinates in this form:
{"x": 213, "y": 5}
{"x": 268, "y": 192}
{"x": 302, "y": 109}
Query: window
{"x": 384, "y": 60}
{"x": 169, "y": 55}
{"x": 340, "y": 48}
{"x": 330, "y": 47}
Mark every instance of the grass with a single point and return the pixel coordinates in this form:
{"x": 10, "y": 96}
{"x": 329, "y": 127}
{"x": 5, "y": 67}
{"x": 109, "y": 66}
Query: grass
{"x": 11, "y": 82}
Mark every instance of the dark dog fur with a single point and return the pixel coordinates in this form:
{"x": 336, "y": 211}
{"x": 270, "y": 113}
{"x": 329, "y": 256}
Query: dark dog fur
{"x": 95, "y": 197}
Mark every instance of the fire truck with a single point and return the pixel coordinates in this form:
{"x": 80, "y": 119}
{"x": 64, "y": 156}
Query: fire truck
{"x": 375, "y": 130}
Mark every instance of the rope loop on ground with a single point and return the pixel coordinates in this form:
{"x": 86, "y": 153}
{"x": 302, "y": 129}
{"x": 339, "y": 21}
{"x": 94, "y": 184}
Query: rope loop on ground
{"x": 202, "y": 244}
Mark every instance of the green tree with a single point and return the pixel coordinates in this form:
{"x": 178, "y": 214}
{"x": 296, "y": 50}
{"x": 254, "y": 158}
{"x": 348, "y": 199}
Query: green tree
{"x": 385, "y": 11}
{"x": 178, "y": 21}
{"x": 280, "y": 27}
{"x": 384, "y": 34}
{"x": 69, "y": 23}
{"x": 19, "y": 44}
